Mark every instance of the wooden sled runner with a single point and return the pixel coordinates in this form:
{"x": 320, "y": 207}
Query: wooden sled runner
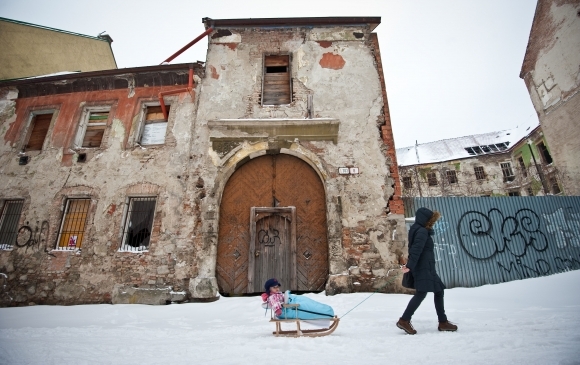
{"x": 302, "y": 332}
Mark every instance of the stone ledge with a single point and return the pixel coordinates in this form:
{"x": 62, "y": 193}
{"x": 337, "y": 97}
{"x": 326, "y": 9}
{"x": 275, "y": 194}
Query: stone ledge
{"x": 318, "y": 129}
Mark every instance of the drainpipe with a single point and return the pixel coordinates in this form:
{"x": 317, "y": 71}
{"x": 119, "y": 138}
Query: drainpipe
{"x": 184, "y": 48}
{"x": 539, "y": 169}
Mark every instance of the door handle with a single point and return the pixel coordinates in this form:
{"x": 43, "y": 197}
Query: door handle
{"x": 257, "y": 253}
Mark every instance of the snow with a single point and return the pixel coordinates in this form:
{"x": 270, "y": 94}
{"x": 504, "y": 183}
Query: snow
{"x": 454, "y": 148}
{"x": 532, "y": 321}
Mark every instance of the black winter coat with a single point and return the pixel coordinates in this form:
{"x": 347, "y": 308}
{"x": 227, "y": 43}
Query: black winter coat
{"x": 421, "y": 254}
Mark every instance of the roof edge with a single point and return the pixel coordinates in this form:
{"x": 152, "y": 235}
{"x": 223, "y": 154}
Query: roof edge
{"x": 290, "y": 22}
{"x": 102, "y": 39}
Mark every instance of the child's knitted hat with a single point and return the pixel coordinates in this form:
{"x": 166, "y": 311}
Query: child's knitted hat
{"x": 270, "y": 283}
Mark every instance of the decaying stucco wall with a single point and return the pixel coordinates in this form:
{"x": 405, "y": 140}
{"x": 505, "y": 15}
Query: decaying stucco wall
{"x": 338, "y": 69}
{"x": 551, "y": 71}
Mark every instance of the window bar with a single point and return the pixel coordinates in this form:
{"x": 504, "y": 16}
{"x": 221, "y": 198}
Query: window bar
{"x": 9, "y": 223}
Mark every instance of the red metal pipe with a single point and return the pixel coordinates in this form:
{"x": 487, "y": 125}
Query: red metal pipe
{"x": 208, "y": 31}
{"x": 189, "y": 89}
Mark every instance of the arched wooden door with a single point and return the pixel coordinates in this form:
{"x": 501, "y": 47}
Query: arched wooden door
{"x": 285, "y": 183}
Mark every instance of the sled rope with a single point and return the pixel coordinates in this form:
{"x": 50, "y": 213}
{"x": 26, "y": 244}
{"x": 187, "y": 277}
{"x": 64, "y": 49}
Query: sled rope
{"x": 379, "y": 288}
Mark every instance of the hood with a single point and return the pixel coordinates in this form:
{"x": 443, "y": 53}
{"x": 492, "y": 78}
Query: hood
{"x": 422, "y": 216}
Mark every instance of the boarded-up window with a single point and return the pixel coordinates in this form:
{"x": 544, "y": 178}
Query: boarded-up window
{"x": 277, "y": 88}
{"x": 138, "y": 224}
{"x": 9, "y": 223}
{"x": 72, "y": 227}
{"x": 154, "y": 126}
{"x": 92, "y": 129}
{"x": 39, "y": 128}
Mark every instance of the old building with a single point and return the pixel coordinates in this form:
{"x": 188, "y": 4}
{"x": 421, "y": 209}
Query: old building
{"x": 515, "y": 162}
{"x": 551, "y": 71}
{"x": 154, "y": 184}
{"x": 32, "y": 50}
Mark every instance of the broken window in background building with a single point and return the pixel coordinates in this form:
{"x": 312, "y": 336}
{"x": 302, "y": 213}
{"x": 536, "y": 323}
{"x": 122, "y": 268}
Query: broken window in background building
{"x": 479, "y": 172}
{"x": 154, "y": 126}
{"x": 544, "y": 153}
{"x": 72, "y": 227}
{"x": 451, "y": 176}
{"x": 9, "y": 219}
{"x": 407, "y": 182}
{"x": 508, "y": 174}
{"x": 276, "y": 88}
{"x": 514, "y": 193}
{"x": 432, "y": 178}
{"x": 92, "y": 128}
{"x": 490, "y": 148}
{"x": 39, "y": 126}
{"x": 523, "y": 166}
{"x": 555, "y": 186}
{"x": 138, "y": 224}
{"x": 530, "y": 191}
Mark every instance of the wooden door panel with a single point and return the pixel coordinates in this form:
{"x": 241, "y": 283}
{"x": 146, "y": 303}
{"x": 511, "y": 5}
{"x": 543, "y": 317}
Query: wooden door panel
{"x": 272, "y": 181}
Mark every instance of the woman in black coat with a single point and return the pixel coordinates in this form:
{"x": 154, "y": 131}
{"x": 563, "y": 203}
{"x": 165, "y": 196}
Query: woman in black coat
{"x": 422, "y": 265}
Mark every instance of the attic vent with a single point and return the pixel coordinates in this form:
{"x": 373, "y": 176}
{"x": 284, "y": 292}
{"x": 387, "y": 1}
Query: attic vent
{"x": 490, "y": 148}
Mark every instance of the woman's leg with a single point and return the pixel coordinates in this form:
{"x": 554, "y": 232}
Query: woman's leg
{"x": 440, "y": 307}
{"x": 414, "y": 303}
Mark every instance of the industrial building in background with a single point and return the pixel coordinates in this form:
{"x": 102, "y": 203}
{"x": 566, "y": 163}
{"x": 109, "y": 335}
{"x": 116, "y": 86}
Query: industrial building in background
{"x": 30, "y": 50}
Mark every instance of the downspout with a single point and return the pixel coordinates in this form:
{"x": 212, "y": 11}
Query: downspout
{"x": 189, "y": 88}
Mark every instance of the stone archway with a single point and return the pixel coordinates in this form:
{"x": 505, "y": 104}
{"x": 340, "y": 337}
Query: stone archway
{"x": 294, "y": 194}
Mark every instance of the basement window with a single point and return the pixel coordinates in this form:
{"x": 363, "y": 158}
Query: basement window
{"x": 432, "y": 178}
{"x": 39, "y": 126}
{"x": 138, "y": 224}
{"x": 479, "y": 172}
{"x": 92, "y": 128}
{"x": 9, "y": 218}
{"x": 277, "y": 83}
{"x": 72, "y": 227}
{"x": 154, "y": 125}
{"x": 508, "y": 173}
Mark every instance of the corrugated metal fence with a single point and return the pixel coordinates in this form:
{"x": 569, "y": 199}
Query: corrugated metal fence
{"x": 491, "y": 240}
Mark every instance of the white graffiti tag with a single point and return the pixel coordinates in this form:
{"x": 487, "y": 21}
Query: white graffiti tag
{"x": 566, "y": 231}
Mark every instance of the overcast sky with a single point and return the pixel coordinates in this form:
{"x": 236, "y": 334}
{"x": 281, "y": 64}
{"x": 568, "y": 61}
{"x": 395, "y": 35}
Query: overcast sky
{"x": 451, "y": 66}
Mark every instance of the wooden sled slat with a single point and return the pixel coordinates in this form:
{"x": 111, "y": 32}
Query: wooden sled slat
{"x": 306, "y": 333}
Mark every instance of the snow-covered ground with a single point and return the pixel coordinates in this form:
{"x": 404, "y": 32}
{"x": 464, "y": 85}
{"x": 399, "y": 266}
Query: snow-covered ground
{"x": 533, "y": 321}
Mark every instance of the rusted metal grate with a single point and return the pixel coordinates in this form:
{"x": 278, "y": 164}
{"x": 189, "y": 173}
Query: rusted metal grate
{"x": 9, "y": 223}
{"x": 138, "y": 224}
{"x": 72, "y": 227}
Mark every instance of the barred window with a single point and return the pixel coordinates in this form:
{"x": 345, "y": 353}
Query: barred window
{"x": 451, "y": 176}
{"x": 479, "y": 172}
{"x": 432, "y": 178}
{"x": 508, "y": 173}
{"x": 9, "y": 219}
{"x": 138, "y": 224}
{"x": 407, "y": 182}
{"x": 72, "y": 227}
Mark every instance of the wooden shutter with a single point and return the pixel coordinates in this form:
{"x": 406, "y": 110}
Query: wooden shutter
{"x": 40, "y": 125}
{"x": 276, "y": 89}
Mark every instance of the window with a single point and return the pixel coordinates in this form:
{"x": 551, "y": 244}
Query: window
{"x": 276, "y": 87}
{"x": 523, "y": 166}
{"x": 546, "y": 157}
{"x": 530, "y": 191}
{"x": 514, "y": 193}
{"x": 154, "y": 125}
{"x": 479, "y": 172}
{"x": 407, "y": 182}
{"x": 491, "y": 148}
{"x": 138, "y": 224}
{"x": 555, "y": 186}
{"x": 506, "y": 169}
{"x": 432, "y": 178}
{"x": 38, "y": 130}
{"x": 451, "y": 176}
{"x": 72, "y": 227}
{"x": 9, "y": 218}
{"x": 92, "y": 127}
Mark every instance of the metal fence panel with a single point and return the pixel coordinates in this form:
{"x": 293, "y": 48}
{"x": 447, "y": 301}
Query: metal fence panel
{"x": 488, "y": 240}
